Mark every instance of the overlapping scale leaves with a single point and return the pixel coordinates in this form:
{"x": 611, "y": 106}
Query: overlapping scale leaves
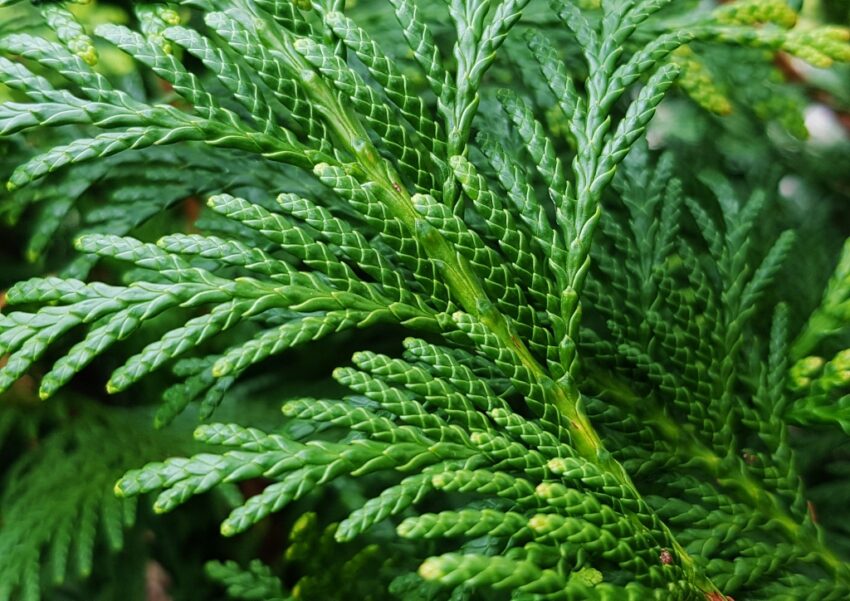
{"x": 665, "y": 356}
{"x": 515, "y": 448}
{"x": 441, "y": 429}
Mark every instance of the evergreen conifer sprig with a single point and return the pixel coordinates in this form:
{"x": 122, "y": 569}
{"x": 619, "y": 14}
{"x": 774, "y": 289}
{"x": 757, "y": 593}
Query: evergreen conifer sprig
{"x": 577, "y": 412}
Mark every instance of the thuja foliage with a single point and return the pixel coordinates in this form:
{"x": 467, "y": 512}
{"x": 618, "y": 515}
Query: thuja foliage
{"x": 586, "y": 367}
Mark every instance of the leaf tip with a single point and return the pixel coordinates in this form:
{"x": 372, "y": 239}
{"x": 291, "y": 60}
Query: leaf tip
{"x": 431, "y": 569}
{"x": 227, "y": 529}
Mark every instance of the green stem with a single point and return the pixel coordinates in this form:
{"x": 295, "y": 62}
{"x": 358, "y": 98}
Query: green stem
{"x": 350, "y": 135}
{"x": 468, "y": 291}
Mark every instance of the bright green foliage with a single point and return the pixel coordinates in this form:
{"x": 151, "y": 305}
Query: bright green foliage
{"x": 598, "y": 372}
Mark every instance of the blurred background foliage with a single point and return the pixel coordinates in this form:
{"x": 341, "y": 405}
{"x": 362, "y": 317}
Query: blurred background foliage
{"x": 764, "y": 120}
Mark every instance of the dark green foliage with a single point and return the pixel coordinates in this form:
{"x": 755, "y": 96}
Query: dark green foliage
{"x": 589, "y": 370}
{"x": 76, "y": 465}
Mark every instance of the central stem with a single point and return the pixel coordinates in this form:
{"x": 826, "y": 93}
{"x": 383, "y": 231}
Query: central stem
{"x": 467, "y": 289}
{"x": 465, "y": 286}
